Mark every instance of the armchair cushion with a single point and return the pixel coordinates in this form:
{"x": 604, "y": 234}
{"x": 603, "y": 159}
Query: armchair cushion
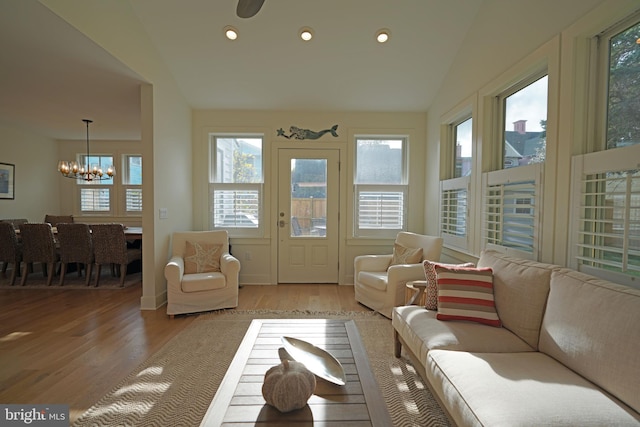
{"x": 202, "y": 282}
{"x": 200, "y": 257}
{"x": 374, "y": 279}
{"x": 405, "y": 255}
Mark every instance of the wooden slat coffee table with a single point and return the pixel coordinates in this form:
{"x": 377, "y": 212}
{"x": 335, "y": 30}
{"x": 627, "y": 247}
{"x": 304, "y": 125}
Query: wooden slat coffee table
{"x": 239, "y": 402}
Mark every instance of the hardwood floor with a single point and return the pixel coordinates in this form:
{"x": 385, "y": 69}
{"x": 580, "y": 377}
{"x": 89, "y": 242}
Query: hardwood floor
{"x": 73, "y": 346}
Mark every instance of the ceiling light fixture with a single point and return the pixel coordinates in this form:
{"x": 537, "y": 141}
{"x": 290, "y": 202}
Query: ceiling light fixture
{"x": 85, "y": 173}
{"x": 230, "y": 32}
{"x": 383, "y": 35}
{"x": 306, "y": 34}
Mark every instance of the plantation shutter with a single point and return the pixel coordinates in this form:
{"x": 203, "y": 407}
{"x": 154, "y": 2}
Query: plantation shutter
{"x": 380, "y": 207}
{"x": 133, "y": 199}
{"x": 95, "y": 199}
{"x": 606, "y": 189}
{"x": 511, "y": 208}
{"x": 454, "y": 196}
{"x": 233, "y": 204}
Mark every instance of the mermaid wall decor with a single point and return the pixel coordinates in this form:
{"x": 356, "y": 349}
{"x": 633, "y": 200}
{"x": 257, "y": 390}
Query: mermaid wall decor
{"x": 297, "y": 133}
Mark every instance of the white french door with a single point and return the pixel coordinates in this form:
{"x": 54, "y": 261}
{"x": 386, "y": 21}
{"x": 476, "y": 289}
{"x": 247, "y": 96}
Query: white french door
{"x": 308, "y": 198}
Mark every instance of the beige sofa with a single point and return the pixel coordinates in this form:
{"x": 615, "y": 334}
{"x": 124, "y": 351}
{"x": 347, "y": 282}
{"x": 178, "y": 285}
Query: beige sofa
{"x": 568, "y": 352}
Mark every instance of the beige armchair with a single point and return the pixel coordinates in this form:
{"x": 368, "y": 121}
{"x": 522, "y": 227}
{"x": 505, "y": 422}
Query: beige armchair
{"x": 380, "y": 283}
{"x": 201, "y": 274}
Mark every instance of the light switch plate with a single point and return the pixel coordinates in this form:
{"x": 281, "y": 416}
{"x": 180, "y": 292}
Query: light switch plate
{"x": 164, "y": 213}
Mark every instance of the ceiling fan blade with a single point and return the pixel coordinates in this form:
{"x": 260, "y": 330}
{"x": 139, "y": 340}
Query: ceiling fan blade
{"x": 248, "y": 8}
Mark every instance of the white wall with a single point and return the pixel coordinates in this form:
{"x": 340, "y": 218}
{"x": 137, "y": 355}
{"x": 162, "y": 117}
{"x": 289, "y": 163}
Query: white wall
{"x": 36, "y": 159}
{"x": 165, "y": 127}
{"x": 499, "y": 45}
{"x": 261, "y": 269}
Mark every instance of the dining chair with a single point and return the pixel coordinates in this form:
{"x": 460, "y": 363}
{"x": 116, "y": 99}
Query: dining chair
{"x": 110, "y": 247}
{"x": 10, "y": 249}
{"x": 17, "y": 222}
{"x": 54, "y": 220}
{"x": 38, "y": 245}
{"x": 75, "y": 247}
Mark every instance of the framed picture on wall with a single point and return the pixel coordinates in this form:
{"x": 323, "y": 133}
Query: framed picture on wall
{"x": 7, "y": 180}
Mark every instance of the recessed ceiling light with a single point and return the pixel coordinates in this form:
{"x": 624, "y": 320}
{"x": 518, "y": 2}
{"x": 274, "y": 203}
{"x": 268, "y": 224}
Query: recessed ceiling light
{"x": 230, "y": 32}
{"x": 383, "y": 35}
{"x": 306, "y": 33}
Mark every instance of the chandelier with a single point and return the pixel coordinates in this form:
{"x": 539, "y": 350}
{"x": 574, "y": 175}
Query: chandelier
{"x": 85, "y": 172}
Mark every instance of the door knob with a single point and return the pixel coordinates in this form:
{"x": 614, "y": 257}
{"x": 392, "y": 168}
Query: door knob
{"x": 282, "y": 223}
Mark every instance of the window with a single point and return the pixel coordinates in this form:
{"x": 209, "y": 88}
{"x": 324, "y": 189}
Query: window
{"x": 236, "y": 180}
{"x": 454, "y": 192}
{"x": 607, "y": 194}
{"x": 95, "y": 196}
{"x": 622, "y": 75}
{"x": 606, "y": 182}
{"x": 132, "y": 183}
{"x": 511, "y": 208}
{"x": 525, "y": 122}
{"x": 380, "y": 186}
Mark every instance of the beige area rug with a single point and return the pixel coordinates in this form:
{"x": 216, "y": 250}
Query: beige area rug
{"x": 36, "y": 280}
{"x": 175, "y": 386}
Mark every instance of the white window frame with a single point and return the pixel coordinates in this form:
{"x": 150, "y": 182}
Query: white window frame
{"x": 92, "y": 186}
{"x": 582, "y": 226}
{"x": 460, "y": 237}
{"x": 600, "y": 57}
{"x": 398, "y": 191}
{"x": 126, "y": 187}
{"x": 502, "y": 102}
{"x": 215, "y": 164}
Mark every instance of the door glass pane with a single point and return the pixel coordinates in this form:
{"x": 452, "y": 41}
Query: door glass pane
{"x": 308, "y": 197}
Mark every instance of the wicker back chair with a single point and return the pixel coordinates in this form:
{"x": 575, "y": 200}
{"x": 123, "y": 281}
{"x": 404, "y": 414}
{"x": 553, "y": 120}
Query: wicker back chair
{"x": 110, "y": 247}
{"x": 38, "y": 245}
{"x": 75, "y": 246}
{"x": 10, "y": 249}
{"x": 17, "y": 222}
{"x": 54, "y": 220}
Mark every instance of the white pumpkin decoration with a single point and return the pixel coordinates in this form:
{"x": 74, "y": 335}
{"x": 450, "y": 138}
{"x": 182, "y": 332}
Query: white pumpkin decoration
{"x": 288, "y": 386}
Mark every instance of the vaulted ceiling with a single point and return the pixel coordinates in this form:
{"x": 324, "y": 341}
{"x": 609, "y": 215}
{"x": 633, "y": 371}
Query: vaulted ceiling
{"x": 52, "y": 75}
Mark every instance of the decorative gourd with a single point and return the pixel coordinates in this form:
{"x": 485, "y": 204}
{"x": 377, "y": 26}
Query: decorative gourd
{"x": 288, "y": 386}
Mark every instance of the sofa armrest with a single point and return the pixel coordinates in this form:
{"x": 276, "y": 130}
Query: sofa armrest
{"x": 372, "y": 262}
{"x": 174, "y": 270}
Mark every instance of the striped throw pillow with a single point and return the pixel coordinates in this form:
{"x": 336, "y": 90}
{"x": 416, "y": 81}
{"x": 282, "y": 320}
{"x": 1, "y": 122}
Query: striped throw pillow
{"x": 466, "y": 294}
{"x": 431, "y": 302}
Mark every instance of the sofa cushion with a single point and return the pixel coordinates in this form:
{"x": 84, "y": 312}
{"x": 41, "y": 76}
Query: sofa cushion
{"x": 520, "y": 289}
{"x": 422, "y": 332}
{"x": 201, "y": 257}
{"x": 202, "y": 282}
{"x": 373, "y": 279}
{"x": 432, "y": 281}
{"x": 519, "y": 389}
{"x": 466, "y": 294}
{"x": 593, "y": 327}
{"x": 405, "y": 255}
